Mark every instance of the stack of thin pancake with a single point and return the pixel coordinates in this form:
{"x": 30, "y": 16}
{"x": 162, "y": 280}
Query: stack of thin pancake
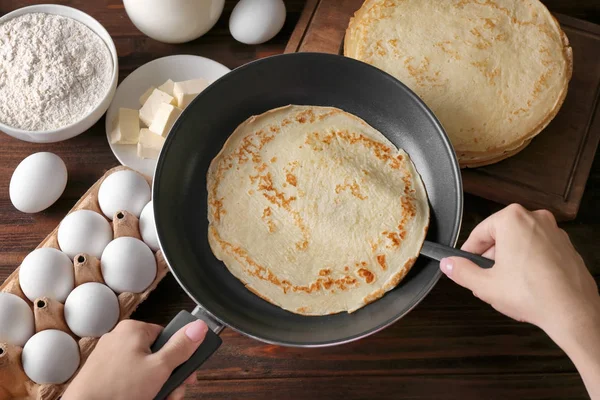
{"x": 494, "y": 72}
{"x": 314, "y": 210}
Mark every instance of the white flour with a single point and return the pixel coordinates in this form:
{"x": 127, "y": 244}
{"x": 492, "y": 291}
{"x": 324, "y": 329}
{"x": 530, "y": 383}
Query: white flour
{"x": 53, "y": 71}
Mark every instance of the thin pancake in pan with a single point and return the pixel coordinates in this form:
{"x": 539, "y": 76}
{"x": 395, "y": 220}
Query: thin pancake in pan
{"x": 314, "y": 210}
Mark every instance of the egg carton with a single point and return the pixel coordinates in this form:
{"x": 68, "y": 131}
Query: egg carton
{"x": 48, "y": 313}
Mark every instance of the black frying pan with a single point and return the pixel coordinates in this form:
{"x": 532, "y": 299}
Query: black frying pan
{"x": 180, "y": 196}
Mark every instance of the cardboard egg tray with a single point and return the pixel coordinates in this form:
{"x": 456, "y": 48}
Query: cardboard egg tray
{"x": 48, "y": 313}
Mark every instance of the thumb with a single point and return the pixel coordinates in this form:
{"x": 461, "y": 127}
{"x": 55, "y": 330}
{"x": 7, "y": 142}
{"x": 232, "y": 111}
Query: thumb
{"x": 466, "y": 273}
{"x": 182, "y": 344}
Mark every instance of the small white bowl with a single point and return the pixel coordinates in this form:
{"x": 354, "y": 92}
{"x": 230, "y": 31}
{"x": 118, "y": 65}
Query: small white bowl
{"x": 174, "y": 21}
{"x": 69, "y": 131}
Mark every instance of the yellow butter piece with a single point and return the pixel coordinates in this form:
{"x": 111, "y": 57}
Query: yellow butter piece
{"x": 167, "y": 87}
{"x": 146, "y": 94}
{"x": 165, "y": 117}
{"x": 151, "y": 105}
{"x": 126, "y": 128}
{"x": 150, "y": 144}
{"x": 186, "y": 91}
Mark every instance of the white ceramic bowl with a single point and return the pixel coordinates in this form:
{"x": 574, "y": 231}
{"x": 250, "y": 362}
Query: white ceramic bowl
{"x": 174, "y": 21}
{"x": 69, "y": 131}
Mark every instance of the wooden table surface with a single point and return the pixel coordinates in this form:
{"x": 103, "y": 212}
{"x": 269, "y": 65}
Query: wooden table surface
{"x": 451, "y": 346}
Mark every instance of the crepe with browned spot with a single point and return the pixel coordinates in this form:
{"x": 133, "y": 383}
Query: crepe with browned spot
{"x": 495, "y": 72}
{"x": 314, "y": 210}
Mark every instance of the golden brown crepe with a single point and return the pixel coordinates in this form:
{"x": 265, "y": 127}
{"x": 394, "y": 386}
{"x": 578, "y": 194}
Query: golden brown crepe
{"x": 314, "y": 210}
{"x": 494, "y": 72}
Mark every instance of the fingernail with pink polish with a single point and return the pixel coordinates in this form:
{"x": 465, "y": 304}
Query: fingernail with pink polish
{"x": 196, "y": 331}
{"x": 446, "y": 266}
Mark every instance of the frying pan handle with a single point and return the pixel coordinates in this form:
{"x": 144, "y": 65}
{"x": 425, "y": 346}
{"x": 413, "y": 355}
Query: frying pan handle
{"x": 438, "y": 251}
{"x": 211, "y": 343}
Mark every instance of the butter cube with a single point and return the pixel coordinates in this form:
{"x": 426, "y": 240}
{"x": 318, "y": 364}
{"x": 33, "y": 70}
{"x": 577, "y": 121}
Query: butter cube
{"x": 167, "y": 87}
{"x": 186, "y": 91}
{"x": 126, "y": 127}
{"x": 150, "y": 144}
{"x": 152, "y": 104}
{"x": 165, "y": 117}
{"x": 146, "y": 94}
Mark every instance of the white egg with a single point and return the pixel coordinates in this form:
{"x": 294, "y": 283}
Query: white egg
{"x": 92, "y": 309}
{"x": 50, "y": 356}
{"x": 47, "y": 272}
{"x": 148, "y": 228}
{"x": 84, "y": 231}
{"x": 123, "y": 191}
{"x": 38, "y": 181}
{"x": 256, "y": 21}
{"x": 16, "y": 320}
{"x": 128, "y": 265}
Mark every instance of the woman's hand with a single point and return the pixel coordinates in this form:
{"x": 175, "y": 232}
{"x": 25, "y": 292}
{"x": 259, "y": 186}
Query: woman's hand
{"x": 122, "y": 366}
{"x": 539, "y": 278}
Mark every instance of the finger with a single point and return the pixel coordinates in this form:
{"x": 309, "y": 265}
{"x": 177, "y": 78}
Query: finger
{"x": 149, "y": 333}
{"x": 182, "y": 344}
{"x": 146, "y": 334}
{"x": 466, "y": 274}
{"x": 566, "y": 237}
{"x": 141, "y": 332}
{"x": 177, "y": 394}
{"x": 131, "y": 325}
{"x": 490, "y": 253}
{"x": 545, "y": 216}
{"x": 482, "y": 237}
{"x": 190, "y": 379}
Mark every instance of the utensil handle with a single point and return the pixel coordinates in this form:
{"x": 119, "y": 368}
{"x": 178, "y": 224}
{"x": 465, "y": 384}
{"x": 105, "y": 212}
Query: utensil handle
{"x": 438, "y": 251}
{"x": 211, "y": 343}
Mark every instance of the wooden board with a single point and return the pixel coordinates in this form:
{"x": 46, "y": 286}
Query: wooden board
{"x": 552, "y": 171}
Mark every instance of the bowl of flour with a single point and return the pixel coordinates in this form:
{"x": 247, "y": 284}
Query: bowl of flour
{"x": 58, "y": 72}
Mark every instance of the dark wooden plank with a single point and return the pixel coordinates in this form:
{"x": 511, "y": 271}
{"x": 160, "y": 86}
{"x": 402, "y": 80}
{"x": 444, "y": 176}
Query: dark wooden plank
{"x": 304, "y": 22}
{"x": 525, "y": 387}
{"x": 583, "y": 9}
{"x": 328, "y": 26}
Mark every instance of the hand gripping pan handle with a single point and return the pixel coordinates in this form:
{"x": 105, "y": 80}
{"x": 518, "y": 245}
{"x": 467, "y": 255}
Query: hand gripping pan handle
{"x": 211, "y": 343}
{"x": 438, "y": 251}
